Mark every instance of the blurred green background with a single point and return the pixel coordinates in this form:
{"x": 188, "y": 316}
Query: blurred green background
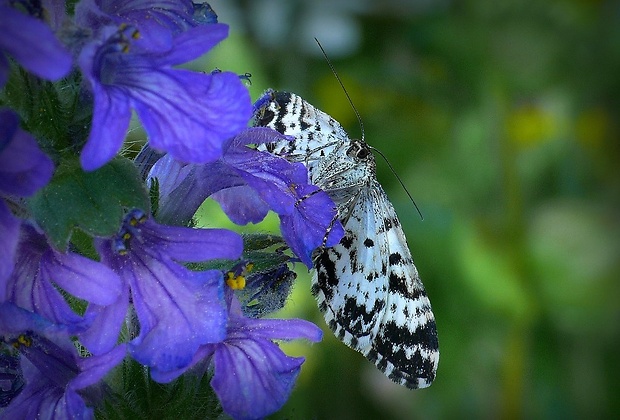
{"x": 502, "y": 120}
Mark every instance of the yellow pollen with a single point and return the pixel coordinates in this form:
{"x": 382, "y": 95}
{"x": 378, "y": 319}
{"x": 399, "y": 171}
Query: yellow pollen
{"x": 235, "y": 282}
{"x": 23, "y": 340}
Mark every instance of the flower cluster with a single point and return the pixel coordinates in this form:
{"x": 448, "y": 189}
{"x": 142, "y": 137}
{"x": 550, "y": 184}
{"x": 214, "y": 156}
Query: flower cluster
{"x": 102, "y": 267}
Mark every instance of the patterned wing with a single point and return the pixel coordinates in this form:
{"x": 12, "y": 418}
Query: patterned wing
{"x": 316, "y": 133}
{"x": 371, "y": 295}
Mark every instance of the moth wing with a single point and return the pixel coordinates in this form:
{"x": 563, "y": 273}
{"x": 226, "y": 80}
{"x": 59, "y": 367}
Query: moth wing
{"x": 371, "y": 295}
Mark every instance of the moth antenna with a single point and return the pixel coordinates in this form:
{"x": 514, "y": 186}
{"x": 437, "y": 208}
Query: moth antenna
{"x": 400, "y": 181}
{"x": 333, "y": 69}
{"x": 359, "y": 120}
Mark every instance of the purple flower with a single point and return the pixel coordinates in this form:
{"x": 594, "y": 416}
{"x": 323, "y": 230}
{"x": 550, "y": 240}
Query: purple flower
{"x": 158, "y": 21}
{"x": 40, "y": 271}
{"x": 177, "y": 309}
{"x": 185, "y": 113}
{"x": 248, "y": 183}
{"x": 308, "y": 215}
{"x": 32, "y": 44}
{"x": 267, "y": 180}
{"x": 52, "y": 369}
{"x": 24, "y": 168}
{"x": 252, "y": 377}
{"x": 260, "y": 178}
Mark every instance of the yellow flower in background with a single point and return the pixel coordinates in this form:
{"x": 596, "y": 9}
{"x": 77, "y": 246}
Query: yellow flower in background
{"x": 531, "y": 125}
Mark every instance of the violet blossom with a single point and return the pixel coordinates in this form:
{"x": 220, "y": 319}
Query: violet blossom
{"x": 177, "y": 309}
{"x": 40, "y": 271}
{"x": 252, "y": 376}
{"x": 124, "y": 75}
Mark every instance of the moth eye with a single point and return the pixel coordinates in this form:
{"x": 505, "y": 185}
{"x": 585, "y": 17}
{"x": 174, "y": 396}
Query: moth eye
{"x": 362, "y": 153}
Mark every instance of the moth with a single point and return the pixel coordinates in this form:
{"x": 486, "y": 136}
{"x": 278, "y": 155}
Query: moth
{"x": 367, "y": 286}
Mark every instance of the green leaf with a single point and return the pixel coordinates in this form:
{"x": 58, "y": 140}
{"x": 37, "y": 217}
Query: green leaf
{"x": 94, "y": 202}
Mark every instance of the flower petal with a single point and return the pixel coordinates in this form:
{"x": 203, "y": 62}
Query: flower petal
{"x": 32, "y": 43}
{"x": 94, "y": 368}
{"x": 82, "y": 277}
{"x": 15, "y": 320}
{"x": 9, "y": 234}
{"x": 178, "y": 310}
{"x": 102, "y": 335}
{"x": 40, "y": 398}
{"x": 279, "y": 329}
{"x": 193, "y": 43}
{"x": 111, "y": 117}
{"x": 30, "y": 285}
{"x": 24, "y": 168}
{"x": 242, "y": 204}
{"x": 193, "y": 245}
{"x": 304, "y": 230}
{"x": 221, "y": 107}
{"x": 253, "y": 378}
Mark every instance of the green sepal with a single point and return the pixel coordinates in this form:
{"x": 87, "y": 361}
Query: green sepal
{"x": 190, "y": 396}
{"x": 265, "y": 261}
{"x": 258, "y": 241}
{"x": 51, "y": 112}
{"x": 94, "y": 202}
{"x": 254, "y": 246}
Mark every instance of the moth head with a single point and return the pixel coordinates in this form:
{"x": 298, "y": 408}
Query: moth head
{"x": 359, "y": 151}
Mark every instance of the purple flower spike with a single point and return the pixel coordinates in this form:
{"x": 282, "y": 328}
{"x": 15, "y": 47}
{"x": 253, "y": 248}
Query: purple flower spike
{"x": 178, "y": 310}
{"x": 124, "y": 76}
{"x": 40, "y": 270}
{"x": 32, "y": 44}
